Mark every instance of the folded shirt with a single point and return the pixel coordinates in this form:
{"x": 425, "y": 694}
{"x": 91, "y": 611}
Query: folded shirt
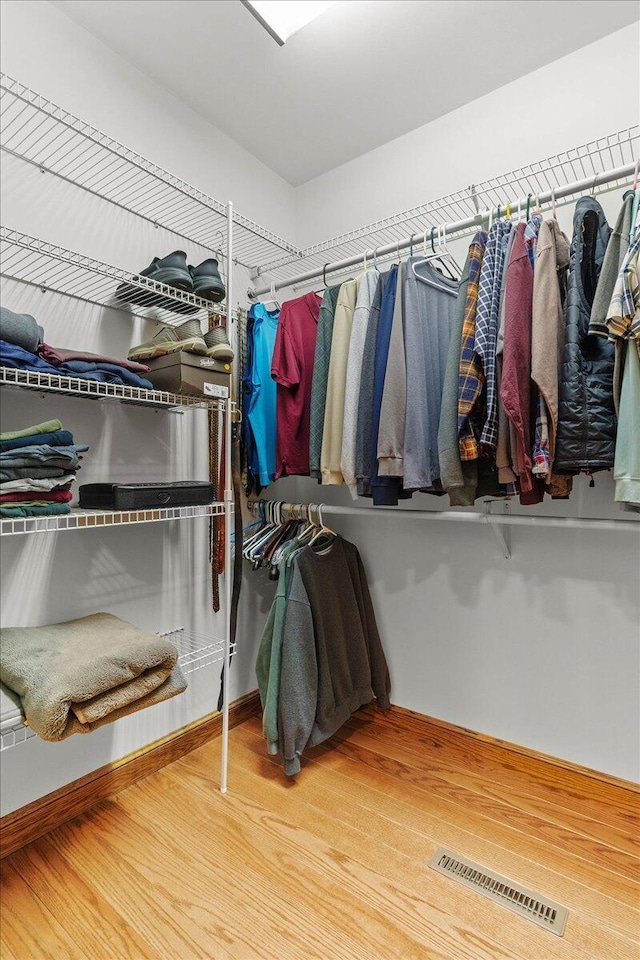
{"x": 12, "y": 355}
{"x": 37, "y": 485}
{"x": 20, "y": 329}
{"x": 48, "y": 426}
{"x": 35, "y": 472}
{"x": 105, "y": 373}
{"x": 39, "y": 499}
{"x": 59, "y": 438}
{"x": 43, "y": 455}
{"x": 57, "y": 355}
{"x": 11, "y": 511}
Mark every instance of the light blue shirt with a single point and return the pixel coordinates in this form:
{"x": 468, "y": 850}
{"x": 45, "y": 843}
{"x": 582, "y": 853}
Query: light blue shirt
{"x": 262, "y": 406}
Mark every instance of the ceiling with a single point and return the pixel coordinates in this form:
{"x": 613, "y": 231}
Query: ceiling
{"x": 363, "y": 73}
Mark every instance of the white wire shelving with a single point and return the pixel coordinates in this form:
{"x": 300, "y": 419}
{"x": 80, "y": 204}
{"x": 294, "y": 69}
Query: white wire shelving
{"x": 616, "y": 152}
{"x": 196, "y": 651}
{"x": 80, "y": 519}
{"x": 95, "y": 390}
{"x": 41, "y": 133}
{"x": 50, "y": 267}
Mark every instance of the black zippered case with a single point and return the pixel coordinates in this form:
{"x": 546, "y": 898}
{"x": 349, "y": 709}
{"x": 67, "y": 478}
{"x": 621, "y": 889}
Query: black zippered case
{"x": 144, "y": 496}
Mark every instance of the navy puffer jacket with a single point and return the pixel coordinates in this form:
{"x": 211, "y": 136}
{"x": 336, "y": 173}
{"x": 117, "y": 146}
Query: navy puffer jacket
{"x": 586, "y": 435}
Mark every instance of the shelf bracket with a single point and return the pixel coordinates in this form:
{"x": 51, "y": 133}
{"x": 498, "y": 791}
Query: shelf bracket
{"x": 501, "y": 532}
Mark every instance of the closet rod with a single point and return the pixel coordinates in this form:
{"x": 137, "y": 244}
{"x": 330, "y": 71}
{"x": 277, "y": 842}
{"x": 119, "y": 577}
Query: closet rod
{"x": 457, "y": 226}
{"x": 487, "y": 517}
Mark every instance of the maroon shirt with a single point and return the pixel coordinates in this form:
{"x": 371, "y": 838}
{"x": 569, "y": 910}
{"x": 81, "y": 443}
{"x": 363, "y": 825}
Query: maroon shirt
{"x": 516, "y": 388}
{"x": 292, "y": 369}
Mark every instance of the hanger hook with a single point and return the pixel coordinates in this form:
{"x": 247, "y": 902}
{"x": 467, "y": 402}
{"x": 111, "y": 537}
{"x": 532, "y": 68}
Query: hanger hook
{"x": 593, "y": 185}
{"x": 364, "y": 261}
{"x": 553, "y": 203}
{"x": 375, "y": 258}
{"x": 324, "y": 274}
{"x": 411, "y": 245}
{"x": 529, "y": 195}
{"x": 433, "y": 249}
{"x": 635, "y": 175}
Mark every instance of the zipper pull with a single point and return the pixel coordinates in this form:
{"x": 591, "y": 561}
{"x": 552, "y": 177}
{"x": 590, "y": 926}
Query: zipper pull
{"x": 592, "y": 482}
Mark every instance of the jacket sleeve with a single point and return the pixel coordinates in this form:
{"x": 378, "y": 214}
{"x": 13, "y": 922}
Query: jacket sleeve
{"x": 380, "y": 681}
{"x": 298, "y": 676}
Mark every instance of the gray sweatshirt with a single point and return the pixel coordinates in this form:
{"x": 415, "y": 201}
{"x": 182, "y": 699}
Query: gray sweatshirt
{"x": 332, "y": 657}
{"x": 429, "y": 307}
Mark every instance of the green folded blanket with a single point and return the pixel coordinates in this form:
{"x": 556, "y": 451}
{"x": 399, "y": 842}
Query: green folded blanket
{"x": 49, "y": 426}
{"x": 76, "y": 676}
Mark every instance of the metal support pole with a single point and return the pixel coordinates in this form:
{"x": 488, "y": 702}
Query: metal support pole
{"x": 458, "y": 226}
{"x": 228, "y": 520}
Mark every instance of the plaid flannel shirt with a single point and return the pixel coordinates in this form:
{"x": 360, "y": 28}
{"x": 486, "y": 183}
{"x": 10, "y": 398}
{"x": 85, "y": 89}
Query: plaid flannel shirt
{"x": 487, "y": 317}
{"x": 623, "y": 315}
{"x": 470, "y": 375}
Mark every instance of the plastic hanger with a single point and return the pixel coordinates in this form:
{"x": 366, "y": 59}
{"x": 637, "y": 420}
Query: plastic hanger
{"x": 323, "y": 530}
{"x": 435, "y": 255}
{"x": 272, "y": 299}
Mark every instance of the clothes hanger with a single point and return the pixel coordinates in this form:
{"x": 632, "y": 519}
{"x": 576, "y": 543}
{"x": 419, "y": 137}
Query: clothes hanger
{"x": 323, "y": 530}
{"x": 426, "y": 259}
{"x": 272, "y": 298}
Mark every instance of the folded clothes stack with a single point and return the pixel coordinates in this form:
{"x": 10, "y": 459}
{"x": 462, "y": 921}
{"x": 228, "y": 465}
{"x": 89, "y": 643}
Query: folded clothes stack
{"x": 22, "y": 347}
{"x": 76, "y": 676}
{"x": 37, "y": 467}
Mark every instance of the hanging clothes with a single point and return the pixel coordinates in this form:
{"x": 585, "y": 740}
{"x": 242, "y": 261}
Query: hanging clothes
{"x": 623, "y": 322}
{"x": 505, "y": 458}
{"x": 336, "y": 382}
{"x": 586, "y": 415}
{"x": 261, "y": 400}
{"x": 320, "y": 374}
{"x": 364, "y": 437}
{"x": 292, "y": 369}
{"x": 430, "y": 304}
{"x": 384, "y": 490}
{"x": 486, "y": 332}
{"x": 516, "y": 391}
{"x": 332, "y": 657}
{"x": 547, "y": 340}
{"x": 394, "y": 393}
{"x": 359, "y": 326}
{"x": 458, "y": 482}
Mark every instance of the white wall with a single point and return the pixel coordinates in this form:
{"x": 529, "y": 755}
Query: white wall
{"x": 157, "y": 576}
{"x": 587, "y": 94}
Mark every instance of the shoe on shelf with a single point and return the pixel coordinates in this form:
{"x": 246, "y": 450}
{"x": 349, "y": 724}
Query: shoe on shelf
{"x": 161, "y": 343}
{"x": 217, "y": 343}
{"x": 207, "y": 282}
{"x": 171, "y": 270}
{"x": 188, "y": 336}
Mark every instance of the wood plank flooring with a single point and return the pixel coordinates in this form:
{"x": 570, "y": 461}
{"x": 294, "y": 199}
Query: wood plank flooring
{"x": 333, "y": 866}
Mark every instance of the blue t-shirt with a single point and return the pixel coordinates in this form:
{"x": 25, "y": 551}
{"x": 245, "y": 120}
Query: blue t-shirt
{"x": 262, "y": 403}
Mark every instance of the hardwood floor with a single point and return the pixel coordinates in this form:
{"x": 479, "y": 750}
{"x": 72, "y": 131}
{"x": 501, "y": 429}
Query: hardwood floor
{"x": 334, "y": 865}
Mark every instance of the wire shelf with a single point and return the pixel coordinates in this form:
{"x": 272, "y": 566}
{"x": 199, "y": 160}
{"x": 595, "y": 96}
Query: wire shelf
{"x": 45, "y": 135}
{"x": 45, "y": 265}
{"x": 588, "y": 160}
{"x": 196, "y": 651}
{"x": 94, "y": 390}
{"x": 80, "y": 519}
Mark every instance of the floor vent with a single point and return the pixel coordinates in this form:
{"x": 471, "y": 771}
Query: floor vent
{"x": 547, "y": 914}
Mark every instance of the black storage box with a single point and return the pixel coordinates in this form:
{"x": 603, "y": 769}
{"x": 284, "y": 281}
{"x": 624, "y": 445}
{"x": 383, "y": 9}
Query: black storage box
{"x": 144, "y": 496}
{"x": 184, "y": 372}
